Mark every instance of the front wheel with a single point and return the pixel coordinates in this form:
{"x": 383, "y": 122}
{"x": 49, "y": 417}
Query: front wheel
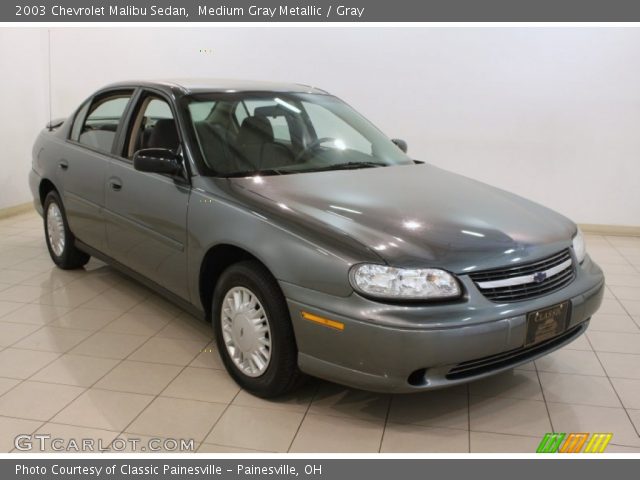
{"x": 253, "y": 331}
{"x": 60, "y": 240}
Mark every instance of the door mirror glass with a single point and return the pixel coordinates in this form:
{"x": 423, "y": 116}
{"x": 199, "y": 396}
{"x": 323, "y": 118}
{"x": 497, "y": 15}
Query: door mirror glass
{"x": 401, "y": 144}
{"x": 157, "y": 160}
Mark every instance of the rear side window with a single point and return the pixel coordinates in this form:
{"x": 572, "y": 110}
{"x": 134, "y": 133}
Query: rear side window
{"x": 101, "y": 123}
{"x": 78, "y": 121}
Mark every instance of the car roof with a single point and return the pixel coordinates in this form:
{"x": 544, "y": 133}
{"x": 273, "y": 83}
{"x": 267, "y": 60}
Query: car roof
{"x": 205, "y": 85}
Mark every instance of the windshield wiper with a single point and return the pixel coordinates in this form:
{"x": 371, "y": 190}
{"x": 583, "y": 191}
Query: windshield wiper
{"x": 274, "y": 171}
{"x": 253, "y": 173}
{"x": 346, "y": 166}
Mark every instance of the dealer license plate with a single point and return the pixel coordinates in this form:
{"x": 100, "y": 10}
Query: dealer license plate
{"x": 547, "y": 323}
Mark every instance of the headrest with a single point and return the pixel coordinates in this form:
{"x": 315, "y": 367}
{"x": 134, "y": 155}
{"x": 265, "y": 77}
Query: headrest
{"x": 164, "y": 135}
{"x": 255, "y": 130}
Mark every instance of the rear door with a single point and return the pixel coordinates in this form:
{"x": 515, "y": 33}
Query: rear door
{"x": 83, "y": 168}
{"x": 147, "y": 212}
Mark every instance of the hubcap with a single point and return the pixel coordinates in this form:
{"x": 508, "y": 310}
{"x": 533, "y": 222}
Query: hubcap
{"x": 245, "y": 331}
{"x": 55, "y": 229}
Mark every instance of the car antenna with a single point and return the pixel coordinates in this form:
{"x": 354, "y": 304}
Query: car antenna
{"x": 50, "y": 124}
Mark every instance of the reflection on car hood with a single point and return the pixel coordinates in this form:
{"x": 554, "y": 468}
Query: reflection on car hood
{"x": 418, "y": 215}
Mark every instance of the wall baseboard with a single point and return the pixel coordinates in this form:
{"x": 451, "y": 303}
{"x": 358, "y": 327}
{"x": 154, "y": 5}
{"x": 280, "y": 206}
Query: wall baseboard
{"x": 16, "y": 210}
{"x": 623, "y": 230}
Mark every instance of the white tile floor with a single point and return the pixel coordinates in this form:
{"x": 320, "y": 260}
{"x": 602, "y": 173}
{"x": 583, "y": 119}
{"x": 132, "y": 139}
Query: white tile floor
{"x": 92, "y": 354}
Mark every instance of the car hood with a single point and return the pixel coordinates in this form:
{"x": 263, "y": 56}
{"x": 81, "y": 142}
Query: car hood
{"x": 417, "y": 215}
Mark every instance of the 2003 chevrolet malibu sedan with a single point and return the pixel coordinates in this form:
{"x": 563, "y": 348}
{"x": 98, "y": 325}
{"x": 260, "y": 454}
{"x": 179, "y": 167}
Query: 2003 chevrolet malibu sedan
{"x": 312, "y": 242}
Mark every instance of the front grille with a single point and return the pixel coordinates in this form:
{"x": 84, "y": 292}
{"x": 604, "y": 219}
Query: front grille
{"x": 479, "y": 366}
{"x": 518, "y": 283}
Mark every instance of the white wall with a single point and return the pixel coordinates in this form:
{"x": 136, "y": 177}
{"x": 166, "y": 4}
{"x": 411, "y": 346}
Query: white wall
{"x": 23, "y": 105}
{"x": 550, "y": 113}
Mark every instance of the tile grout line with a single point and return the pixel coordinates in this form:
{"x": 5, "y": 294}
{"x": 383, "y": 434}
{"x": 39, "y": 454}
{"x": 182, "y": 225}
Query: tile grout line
{"x": 85, "y": 389}
{"x": 633, "y": 265}
{"x": 156, "y": 396}
{"x": 30, "y": 433}
{"x": 232, "y": 446}
{"x": 544, "y": 397}
{"x": 60, "y": 354}
{"x": 118, "y": 363}
{"x": 306, "y": 412}
{"x": 166, "y": 386}
{"x": 614, "y": 389}
{"x": 218, "y": 421}
{"x": 48, "y": 325}
{"x": 612, "y": 292}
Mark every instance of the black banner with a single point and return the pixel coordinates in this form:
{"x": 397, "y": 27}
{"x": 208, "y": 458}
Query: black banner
{"x": 317, "y": 469}
{"x": 320, "y": 11}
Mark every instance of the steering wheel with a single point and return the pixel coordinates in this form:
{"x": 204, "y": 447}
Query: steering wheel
{"x": 313, "y": 145}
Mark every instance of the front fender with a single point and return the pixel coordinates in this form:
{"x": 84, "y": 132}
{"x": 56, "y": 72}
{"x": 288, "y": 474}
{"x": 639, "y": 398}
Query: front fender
{"x": 309, "y": 261}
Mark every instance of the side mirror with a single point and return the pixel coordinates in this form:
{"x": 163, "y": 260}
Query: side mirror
{"x": 157, "y": 160}
{"x": 401, "y": 144}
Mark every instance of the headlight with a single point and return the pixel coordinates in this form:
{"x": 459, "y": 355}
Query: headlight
{"x": 404, "y": 283}
{"x": 579, "y": 247}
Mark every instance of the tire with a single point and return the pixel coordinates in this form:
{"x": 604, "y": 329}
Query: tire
{"x": 60, "y": 241}
{"x": 250, "y": 282}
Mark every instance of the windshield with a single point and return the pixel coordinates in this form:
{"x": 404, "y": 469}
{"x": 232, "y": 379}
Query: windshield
{"x": 284, "y": 133}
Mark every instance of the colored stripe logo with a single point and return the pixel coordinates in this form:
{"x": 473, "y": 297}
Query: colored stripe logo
{"x": 574, "y": 443}
{"x": 598, "y": 442}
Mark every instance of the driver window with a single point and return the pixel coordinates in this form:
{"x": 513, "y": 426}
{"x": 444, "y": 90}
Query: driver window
{"x": 153, "y": 127}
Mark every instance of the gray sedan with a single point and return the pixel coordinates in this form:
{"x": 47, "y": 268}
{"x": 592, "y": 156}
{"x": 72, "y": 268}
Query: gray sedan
{"x": 312, "y": 243}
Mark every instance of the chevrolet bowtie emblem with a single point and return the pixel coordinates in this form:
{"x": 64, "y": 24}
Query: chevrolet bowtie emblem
{"x": 539, "y": 277}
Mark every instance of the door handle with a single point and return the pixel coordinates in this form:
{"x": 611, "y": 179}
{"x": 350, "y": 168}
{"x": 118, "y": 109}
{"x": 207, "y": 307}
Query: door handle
{"x": 115, "y": 186}
{"x": 63, "y": 164}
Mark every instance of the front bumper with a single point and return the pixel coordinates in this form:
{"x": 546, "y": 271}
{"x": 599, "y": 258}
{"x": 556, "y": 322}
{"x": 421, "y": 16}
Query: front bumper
{"x": 401, "y": 348}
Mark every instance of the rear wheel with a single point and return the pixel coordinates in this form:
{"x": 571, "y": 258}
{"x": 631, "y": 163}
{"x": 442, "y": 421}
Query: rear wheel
{"x": 253, "y": 331}
{"x": 60, "y": 240}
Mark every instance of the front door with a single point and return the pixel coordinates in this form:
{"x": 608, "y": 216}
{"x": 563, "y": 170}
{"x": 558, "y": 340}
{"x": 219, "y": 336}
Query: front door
{"x": 147, "y": 212}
